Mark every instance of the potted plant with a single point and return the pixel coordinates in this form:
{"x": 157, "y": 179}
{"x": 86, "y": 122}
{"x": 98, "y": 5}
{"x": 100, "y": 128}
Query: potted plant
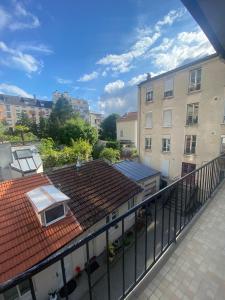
{"x": 53, "y": 295}
{"x": 111, "y": 250}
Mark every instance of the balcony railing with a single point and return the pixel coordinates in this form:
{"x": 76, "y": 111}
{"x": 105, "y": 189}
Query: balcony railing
{"x": 158, "y": 221}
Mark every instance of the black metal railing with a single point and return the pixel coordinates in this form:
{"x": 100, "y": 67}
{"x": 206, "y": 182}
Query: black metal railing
{"x": 156, "y": 224}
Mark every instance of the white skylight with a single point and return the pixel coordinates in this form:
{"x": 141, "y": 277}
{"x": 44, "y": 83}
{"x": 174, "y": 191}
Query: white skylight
{"x": 46, "y": 196}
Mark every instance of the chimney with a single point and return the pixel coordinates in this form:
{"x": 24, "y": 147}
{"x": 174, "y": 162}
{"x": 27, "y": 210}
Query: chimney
{"x": 148, "y": 76}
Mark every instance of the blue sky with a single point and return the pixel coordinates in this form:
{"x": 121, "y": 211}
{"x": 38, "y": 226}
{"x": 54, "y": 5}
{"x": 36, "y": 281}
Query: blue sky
{"x": 96, "y": 50}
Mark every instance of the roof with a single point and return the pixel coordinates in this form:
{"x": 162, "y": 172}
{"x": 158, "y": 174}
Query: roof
{"x": 130, "y": 116}
{"x": 97, "y": 187}
{"x": 94, "y": 191}
{"x": 45, "y": 196}
{"x": 193, "y": 63}
{"x": 134, "y": 170}
{"x": 25, "y": 159}
{"x": 23, "y": 101}
{"x": 210, "y": 16}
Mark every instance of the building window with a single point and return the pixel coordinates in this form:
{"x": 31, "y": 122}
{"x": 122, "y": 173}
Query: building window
{"x": 17, "y": 291}
{"x": 149, "y": 95}
{"x": 168, "y": 88}
{"x": 8, "y": 108}
{"x": 8, "y": 114}
{"x": 167, "y": 118}
{"x": 166, "y": 145}
{"x": 131, "y": 203}
{"x": 121, "y": 133}
{"x": 190, "y": 144}
{"x": 192, "y": 114}
{"x": 112, "y": 216}
{"x": 148, "y": 120}
{"x": 195, "y": 80}
{"x": 54, "y": 214}
{"x": 148, "y": 143}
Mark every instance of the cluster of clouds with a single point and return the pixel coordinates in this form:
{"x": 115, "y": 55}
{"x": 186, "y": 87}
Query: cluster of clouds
{"x": 23, "y": 56}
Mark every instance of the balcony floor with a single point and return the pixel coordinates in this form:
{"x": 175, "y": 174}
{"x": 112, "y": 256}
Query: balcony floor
{"x": 196, "y": 268}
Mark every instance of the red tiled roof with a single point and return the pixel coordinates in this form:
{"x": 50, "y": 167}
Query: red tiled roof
{"x": 95, "y": 190}
{"x": 130, "y": 116}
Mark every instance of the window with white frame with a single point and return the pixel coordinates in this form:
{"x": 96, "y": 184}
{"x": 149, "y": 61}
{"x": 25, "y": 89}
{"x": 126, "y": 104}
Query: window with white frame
{"x": 148, "y": 120}
{"x": 167, "y": 118}
{"x": 168, "y": 87}
{"x": 192, "y": 114}
{"x": 166, "y": 144}
{"x": 190, "y": 144}
{"x": 131, "y": 203}
{"x": 195, "y": 80}
{"x": 112, "y": 216}
{"x": 149, "y": 95}
{"x": 54, "y": 214}
{"x": 17, "y": 291}
{"x": 148, "y": 143}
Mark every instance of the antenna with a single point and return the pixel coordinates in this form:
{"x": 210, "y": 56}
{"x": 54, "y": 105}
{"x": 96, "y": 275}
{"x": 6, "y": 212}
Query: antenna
{"x": 78, "y": 164}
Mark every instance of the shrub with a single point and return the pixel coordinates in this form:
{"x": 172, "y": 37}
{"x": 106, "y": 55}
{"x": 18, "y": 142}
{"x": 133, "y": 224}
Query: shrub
{"x": 110, "y": 154}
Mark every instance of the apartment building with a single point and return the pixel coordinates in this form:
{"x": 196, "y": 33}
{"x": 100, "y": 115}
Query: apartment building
{"x": 95, "y": 119}
{"x": 126, "y": 129}
{"x": 79, "y": 105}
{"x": 11, "y": 108}
{"x": 181, "y": 117}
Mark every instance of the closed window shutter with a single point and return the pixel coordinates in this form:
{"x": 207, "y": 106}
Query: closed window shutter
{"x": 168, "y": 84}
{"x": 167, "y": 118}
{"x": 148, "y": 120}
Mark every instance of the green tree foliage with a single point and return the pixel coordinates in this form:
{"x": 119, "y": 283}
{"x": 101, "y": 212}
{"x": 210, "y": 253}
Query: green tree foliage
{"x": 62, "y": 110}
{"x": 97, "y": 149}
{"x": 22, "y": 129}
{"x": 108, "y": 127}
{"x": 2, "y": 132}
{"x": 113, "y": 144}
{"x": 42, "y": 128}
{"x": 76, "y": 128}
{"x": 110, "y": 154}
{"x": 24, "y": 120}
{"x": 52, "y": 157}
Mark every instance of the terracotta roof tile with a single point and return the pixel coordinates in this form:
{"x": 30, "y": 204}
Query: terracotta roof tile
{"x": 95, "y": 190}
{"x": 130, "y": 116}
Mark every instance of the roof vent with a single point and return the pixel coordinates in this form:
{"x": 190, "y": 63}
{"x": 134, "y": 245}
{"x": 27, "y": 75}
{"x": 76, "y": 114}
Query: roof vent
{"x": 49, "y": 204}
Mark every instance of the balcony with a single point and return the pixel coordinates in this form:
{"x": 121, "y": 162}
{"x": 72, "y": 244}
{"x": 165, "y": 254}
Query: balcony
{"x": 177, "y": 235}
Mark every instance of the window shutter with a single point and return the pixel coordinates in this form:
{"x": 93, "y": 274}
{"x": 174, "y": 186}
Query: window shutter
{"x": 148, "y": 120}
{"x": 167, "y": 118}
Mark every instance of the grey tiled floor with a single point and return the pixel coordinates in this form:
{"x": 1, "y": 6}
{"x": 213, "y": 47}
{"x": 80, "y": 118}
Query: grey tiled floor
{"x": 196, "y": 269}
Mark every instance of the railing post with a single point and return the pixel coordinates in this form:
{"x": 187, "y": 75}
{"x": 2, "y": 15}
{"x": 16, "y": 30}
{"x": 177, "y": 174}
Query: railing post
{"x": 32, "y": 289}
{"x": 64, "y": 277}
{"x": 88, "y": 271}
{"x": 175, "y": 214}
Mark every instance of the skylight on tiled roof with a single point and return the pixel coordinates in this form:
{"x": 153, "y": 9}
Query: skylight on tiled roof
{"x": 46, "y": 196}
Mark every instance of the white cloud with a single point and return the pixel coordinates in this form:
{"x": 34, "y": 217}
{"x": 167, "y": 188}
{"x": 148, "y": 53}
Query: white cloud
{"x": 137, "y": 79}
{"x": 114, "y": 86}
{"x": 185, "y": 47}
{"x": 34, "y": 47}
{"x": 63, "y": 80}
{"x": 18, "y": 18}
{"x": 123, "y": 62}
{"x": 114, "y": 103}
{"x": 17, "y": 59}
{"x": 88, "y": 77}
{"x": 13, "y": 90}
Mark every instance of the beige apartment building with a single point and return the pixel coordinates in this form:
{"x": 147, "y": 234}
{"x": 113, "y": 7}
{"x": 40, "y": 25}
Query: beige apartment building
{"x": 95, "y": 119}
{"x": 181, "y": 117}
{"x": 11, "y": 108}
{"x": 126, "y": 129}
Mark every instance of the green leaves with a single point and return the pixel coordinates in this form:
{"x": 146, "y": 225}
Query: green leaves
{"x": 110, "y": 154}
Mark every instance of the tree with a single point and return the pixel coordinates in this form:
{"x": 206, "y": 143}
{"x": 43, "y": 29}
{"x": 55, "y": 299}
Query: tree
{"x": 42, "y": 127}
{"x": 110, "y": 154}
{"x": 76, "y": 128}
{"x": 24, "y": 120}
{"x": 108, "y": 127}
{"x": 2, "y": 132}
{"x": 21, "y": 129}
{"x": 62, "y": 110}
